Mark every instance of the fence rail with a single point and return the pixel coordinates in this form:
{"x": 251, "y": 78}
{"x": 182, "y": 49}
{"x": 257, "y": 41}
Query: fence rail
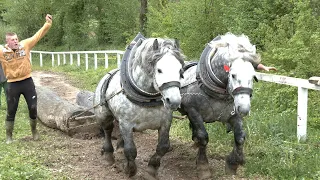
{"x": 303, "y": 86}
{"x": 62, "y": 56}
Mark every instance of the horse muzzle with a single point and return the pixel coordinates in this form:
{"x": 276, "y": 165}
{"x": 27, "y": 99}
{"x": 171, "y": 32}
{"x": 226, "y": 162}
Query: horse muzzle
{"x": 242, "y": 100}
{"x": 171, "y": 97}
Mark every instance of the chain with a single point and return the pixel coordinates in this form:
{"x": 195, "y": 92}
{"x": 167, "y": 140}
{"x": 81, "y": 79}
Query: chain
{"x": 87, "y": 110}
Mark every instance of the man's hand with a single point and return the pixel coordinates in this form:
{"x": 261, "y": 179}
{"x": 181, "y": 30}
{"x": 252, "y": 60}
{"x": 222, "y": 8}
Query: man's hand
{"x": 49, "y": 18}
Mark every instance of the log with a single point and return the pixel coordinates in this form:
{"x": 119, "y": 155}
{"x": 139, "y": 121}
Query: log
{"x": 58, "y": 113}
{"x": 85, "y": 98}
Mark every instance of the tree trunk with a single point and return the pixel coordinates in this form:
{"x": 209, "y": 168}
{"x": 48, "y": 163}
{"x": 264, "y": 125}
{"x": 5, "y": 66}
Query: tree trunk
{"x": 61, "y": 114}
{"x": 85, "y": 99}
{"x": 143, "y": 15}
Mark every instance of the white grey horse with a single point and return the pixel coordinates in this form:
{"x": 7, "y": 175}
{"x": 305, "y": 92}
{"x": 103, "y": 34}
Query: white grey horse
{"x": 153, "y": 68}
{"x": 219, "y": 88}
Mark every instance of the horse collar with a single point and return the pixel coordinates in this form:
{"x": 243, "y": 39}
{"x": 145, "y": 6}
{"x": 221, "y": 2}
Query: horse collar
{"x": 133, "y": 93}
{"x": 208, "y": 81}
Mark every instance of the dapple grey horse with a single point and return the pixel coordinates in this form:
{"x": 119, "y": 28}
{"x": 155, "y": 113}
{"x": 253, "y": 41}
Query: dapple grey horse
{"x": 219, "y": 88}
{"x": 142, "y": 95}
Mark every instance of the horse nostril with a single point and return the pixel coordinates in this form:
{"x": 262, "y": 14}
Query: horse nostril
{"x": 168, "y": 100}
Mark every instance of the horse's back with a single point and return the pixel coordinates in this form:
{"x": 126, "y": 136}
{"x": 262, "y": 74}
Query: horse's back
{"x": 189, "y": 76}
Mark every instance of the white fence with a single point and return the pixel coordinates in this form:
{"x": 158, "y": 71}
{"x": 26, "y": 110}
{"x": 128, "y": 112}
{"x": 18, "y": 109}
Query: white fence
{"x": 61, "y": 57}
{"x": 303, "y": 86}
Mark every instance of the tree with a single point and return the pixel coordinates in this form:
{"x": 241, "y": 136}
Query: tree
{"x": 143, "y": 15}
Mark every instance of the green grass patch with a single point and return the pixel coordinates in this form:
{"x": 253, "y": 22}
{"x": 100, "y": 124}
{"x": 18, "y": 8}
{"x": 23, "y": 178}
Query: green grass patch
{"x": 22, "y": 159}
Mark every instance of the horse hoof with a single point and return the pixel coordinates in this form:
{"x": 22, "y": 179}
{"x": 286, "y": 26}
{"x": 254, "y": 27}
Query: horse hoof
{"x": 130, "y": 168}
{"x": 151, "y": 171}
{"x": 149, "y": 175}
{"x": 204, "y": 171}
{"x": 231, "y": 169}
{"x": 204, "y": 175}
{"x": 110, "y": 158}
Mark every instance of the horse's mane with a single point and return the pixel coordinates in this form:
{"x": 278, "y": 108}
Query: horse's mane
{"x": 146, "y": 57}
{"x": 231, "y": 47}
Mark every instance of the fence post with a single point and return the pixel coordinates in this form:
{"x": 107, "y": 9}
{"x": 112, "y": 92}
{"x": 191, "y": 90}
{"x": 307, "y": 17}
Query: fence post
{"x": 302, "y": 114}
{"x": 58, "y": 59}
{"x": 40, "y": 59}
{"x": 95, "y": 61}
{"x": 71, "y": 59}
{"x": 52, "y": 55}
{"x": 118, "y": 60}
{"x": 64, "y": 59}
{"x": 106, "y": 61}
{"x": 78, "y": 58}
{"x": 30, "y": 58}
{"x": 87, "y": 63}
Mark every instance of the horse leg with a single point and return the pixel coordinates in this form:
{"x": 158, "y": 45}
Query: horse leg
{"x": 236, "y": 157}
{"x": 130, "y": 150}
{"x": 201, "y": 139}
{"x": 107, "y": 148}
{"x": 162, "y": 148}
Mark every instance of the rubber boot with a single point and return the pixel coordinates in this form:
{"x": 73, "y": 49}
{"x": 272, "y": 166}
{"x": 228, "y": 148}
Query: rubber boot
{"x": 33, "y": 125}
{"x": 9, "y": 130}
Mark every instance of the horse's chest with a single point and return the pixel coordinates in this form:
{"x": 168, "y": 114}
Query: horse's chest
{"x": 217, "y": 111}
{"x": 209, "y": 108}
{"x": 138, "y": 117}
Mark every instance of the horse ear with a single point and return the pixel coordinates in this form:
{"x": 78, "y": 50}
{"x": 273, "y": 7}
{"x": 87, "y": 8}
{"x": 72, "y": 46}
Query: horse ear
{"x": 176, "y": 44}
{"x": 155, "y": 45}
{"x": 181, "y": 73}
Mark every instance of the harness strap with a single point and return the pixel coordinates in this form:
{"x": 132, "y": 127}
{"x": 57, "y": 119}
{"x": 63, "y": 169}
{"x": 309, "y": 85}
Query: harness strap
{"x": 133, "y": 93}
{"x": 242, "y": 90}
{"x": 169, "y": 84}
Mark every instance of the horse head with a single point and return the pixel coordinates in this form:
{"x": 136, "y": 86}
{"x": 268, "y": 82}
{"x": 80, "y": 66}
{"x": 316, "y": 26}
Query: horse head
{"x": 240, "y": 85}
{"x": 235, "y": 54}
{"x": 168, "y": 72}
{"x": 162, "y": 63}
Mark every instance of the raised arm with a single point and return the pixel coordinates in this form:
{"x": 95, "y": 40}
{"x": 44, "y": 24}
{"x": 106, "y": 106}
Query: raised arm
{"x": 32, "y": 41}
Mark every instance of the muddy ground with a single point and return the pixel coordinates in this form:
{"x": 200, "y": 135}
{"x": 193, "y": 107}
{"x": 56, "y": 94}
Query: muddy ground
{"x": 80, "y": 157}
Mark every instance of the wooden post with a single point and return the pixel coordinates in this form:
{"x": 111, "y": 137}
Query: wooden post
{"x": 118, "y": 60}
{"x": 58, "y": 59}
{"x": 87, "y": 63}
{"x": 71, "y": 58}
{"x": 64, "y": 59}
{"x": 95, "y": 61}
{"x": 30, "y": 58}
{"x": 52, "y": 55}
{"x": 302, "y": 114}
{"x": 106, "y": 61}
{"x": 40, "y": 59}
{"x": 78, "y": 58}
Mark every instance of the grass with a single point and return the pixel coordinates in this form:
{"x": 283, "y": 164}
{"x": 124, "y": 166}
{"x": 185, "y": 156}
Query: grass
{"x": 271, "y": 147}
{"x": 20, "y": 160}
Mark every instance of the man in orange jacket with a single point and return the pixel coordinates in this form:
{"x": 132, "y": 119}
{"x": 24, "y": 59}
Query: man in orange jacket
{"x": 15, "y": 59}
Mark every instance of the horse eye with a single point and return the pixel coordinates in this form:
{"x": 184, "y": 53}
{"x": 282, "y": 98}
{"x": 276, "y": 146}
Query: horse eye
{"x": 159, "y": 71}
{"x": 233, "y": 76}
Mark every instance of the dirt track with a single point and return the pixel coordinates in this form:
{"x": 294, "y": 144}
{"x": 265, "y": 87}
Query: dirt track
{"x": 80, "y": 158}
